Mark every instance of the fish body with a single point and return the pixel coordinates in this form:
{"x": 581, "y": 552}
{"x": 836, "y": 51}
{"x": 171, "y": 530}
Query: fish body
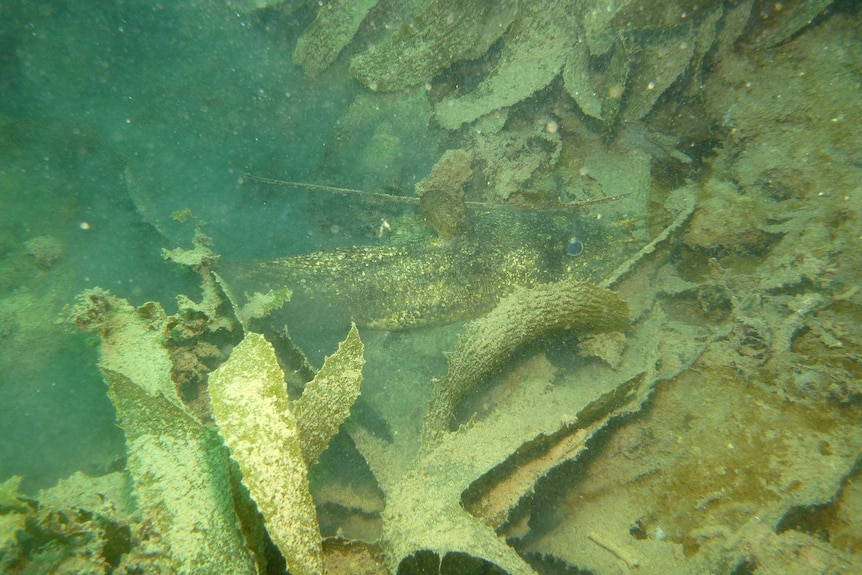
{"x": 434, "y": 283}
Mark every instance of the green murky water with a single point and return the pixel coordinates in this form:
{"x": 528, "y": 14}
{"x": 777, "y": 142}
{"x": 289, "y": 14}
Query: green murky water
{"x": 127, "y": 126}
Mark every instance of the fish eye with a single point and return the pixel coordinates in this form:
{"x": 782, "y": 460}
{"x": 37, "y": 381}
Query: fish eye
{"x": 575, "y": 247}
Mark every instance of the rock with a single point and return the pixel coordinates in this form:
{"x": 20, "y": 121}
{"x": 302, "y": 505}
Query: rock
{"x": 45, "y": 251}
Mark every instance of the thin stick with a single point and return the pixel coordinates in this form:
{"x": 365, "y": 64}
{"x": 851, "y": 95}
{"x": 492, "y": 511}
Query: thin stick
{"x": 412, "y": 200}
{"x": 330, "y": 189}
{"x": 630, "y": 561}
{"x": 626, "y": 267}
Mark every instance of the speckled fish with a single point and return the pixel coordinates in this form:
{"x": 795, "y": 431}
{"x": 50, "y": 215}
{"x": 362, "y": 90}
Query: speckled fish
{"x": 435, "y": 283}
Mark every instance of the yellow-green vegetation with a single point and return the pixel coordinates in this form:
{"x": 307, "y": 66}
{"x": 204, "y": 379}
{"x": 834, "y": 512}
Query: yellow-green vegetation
{"x": 330, "y": 32}
{"x": 616, "y": 60}
{"x": 131, "y": 344}
{"x": 181, "y": 480}
{"x": 81, "y": 525}
{"x": 178, "y": 465}
{"x": 182, "y": 216}
{"x": 253, "y": 413}
{"x": 274, "y": 444}
{"x": 326, "y": 400}
{"x": 538, "y": 43}
{"x": 520, "y": 317}
{"x": 12, "y": 520}
{"x": 440, "y": 34}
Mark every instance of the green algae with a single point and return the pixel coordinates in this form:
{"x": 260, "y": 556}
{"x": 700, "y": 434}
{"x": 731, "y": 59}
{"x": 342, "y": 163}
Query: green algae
{"x": 441, "y": 34}
{"x": 275, "y": 444}
{"x": 326, "y": 400}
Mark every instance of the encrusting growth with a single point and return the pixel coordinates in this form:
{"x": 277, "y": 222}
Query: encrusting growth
{"x": 276, "y": 445}
{"x": 251, "y": 407}
{"x": 327, "y": 399}
{"x": 520, "y": 317}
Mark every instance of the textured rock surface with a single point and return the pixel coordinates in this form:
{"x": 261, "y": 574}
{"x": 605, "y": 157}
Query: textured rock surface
{"x": 441, "y": 195}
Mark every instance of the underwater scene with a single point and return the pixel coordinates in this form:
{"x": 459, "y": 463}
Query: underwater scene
{"x": 419, "y": 287}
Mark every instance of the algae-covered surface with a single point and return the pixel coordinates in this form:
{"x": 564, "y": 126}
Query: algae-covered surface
{"x": 420, "y": 287}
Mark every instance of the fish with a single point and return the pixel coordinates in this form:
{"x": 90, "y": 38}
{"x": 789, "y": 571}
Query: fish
{"x": 427, "y": 283}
